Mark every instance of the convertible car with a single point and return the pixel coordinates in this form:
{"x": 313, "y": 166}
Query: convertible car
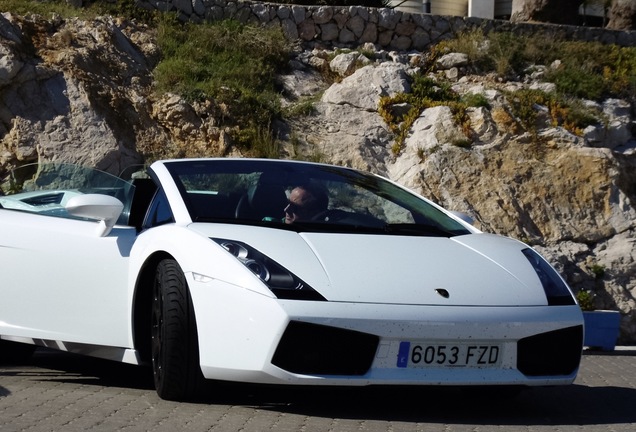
{"x": 274, "y": 272}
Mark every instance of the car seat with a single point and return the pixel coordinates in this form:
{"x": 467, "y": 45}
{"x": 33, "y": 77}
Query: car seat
{"x": 263, "y": 199}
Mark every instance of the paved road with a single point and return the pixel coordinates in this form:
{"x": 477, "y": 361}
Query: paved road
{"x": 62, "y": 392}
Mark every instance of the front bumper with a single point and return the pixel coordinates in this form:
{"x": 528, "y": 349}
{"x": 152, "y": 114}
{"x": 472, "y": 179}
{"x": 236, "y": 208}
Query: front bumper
{"x": 249, "y": 337}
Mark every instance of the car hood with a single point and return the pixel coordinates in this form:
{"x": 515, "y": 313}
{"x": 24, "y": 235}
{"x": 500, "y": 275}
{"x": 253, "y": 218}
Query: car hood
{"x": 473, "y": 269}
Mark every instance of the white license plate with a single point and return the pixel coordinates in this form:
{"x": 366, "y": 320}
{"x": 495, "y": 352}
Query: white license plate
{"x": 473, "y": 355}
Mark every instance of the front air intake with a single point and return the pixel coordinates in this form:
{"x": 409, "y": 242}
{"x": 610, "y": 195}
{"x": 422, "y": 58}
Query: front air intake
{"x": 314, "y": 349}
{"x": 553, "y": 353}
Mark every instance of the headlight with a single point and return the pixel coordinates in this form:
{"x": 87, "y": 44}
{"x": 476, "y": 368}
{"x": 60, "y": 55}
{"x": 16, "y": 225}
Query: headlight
{"x": 283, "y": 283}
{"x": 556, "y": 290}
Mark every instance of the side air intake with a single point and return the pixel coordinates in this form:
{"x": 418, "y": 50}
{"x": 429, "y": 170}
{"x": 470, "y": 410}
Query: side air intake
{"x": 313, "y": 349}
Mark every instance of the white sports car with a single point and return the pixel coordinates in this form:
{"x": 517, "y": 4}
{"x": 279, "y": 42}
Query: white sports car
{"x": 279, "y": 272}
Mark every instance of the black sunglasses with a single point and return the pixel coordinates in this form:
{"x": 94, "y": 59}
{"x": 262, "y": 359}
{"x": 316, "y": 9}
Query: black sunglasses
{"x": 294, "y": 208}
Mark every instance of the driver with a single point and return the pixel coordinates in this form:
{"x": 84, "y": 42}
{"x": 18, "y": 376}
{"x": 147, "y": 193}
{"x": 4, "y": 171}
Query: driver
{"x": 306, "y": 201}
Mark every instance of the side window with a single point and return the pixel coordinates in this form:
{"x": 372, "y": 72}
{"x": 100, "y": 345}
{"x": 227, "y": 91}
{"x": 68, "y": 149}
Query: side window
{"x": 159, "y": 213}
{"x": 45, "y": 189}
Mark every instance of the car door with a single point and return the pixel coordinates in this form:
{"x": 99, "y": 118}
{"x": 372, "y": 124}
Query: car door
{"x": 60, "y": 280}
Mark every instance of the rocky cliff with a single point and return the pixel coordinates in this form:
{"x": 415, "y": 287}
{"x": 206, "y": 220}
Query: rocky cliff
{"x": 82, "y": 91}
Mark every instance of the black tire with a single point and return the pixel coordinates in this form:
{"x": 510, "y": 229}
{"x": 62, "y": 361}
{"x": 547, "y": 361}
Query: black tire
{"x": 15, "y": 353}
{"x": 174, "y": 344}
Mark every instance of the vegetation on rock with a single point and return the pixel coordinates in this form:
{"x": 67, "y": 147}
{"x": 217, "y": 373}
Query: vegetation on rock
{"x": 579, "y": 70}
{"x": 588, "y": 70}
{"x": 233, "y": 66}
{"x": 230, "y": 64}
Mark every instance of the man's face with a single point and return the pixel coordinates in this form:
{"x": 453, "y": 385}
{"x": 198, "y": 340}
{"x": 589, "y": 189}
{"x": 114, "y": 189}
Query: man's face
{"x": 297, "y": 209}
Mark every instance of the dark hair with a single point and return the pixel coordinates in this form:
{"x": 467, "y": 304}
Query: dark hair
{"x": 318, "y": 196}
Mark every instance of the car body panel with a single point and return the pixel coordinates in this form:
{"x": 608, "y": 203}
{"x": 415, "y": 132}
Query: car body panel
{"x": 231, "y": 355}
{"x": 69, "y": 284}
{"x": 46, "y": 298}
{"x": 363, "y": 268}
{"x": 371, "y": 269}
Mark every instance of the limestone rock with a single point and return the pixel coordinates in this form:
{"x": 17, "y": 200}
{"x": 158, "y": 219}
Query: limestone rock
{"x": 344, "y": 64}
{"x": 452, "y": 60}
{"x": 622, "y": 15}
{"x": 367, "y": 85}
{"x": 552, "y": 11}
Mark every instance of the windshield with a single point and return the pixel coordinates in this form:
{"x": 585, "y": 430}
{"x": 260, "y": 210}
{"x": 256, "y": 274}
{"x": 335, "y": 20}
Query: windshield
{"x": 304, "y": 197}
{"x": 46, "y": 188}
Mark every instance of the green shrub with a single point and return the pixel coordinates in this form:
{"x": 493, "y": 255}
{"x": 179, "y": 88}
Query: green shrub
{"x": 425, "y": 88}
{"x": 523, "y": 103}
{"x": 124, "y": 8}
{"x": 506, "y": 53}
{"x": 44, "y": 8}
{"x": 475, "y": 100}
{"x": 425, "y": 93}
{"x": 260, "y": 141}
{"x": 227, "y": 62}
{"x": 300, "y": 109}
{"x": 569, "y": 113}
{"x": 472, "y": 42}
{"x": 589, "y": 70}
{"x": 597, "y": 270}
{"x": 585, "y": 300}
{"x": 576, "y": 81}
{"x": 578, "y": 116}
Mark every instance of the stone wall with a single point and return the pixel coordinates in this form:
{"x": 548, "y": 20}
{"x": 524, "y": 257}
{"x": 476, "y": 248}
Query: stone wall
{"x": 355, "y": 25}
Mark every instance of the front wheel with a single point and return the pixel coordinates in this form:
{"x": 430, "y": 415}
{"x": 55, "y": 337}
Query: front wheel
{"x": 174, "y": 344}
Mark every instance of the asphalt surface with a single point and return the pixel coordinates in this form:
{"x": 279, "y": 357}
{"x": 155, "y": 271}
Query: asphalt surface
{"x": 63, "y": 392}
